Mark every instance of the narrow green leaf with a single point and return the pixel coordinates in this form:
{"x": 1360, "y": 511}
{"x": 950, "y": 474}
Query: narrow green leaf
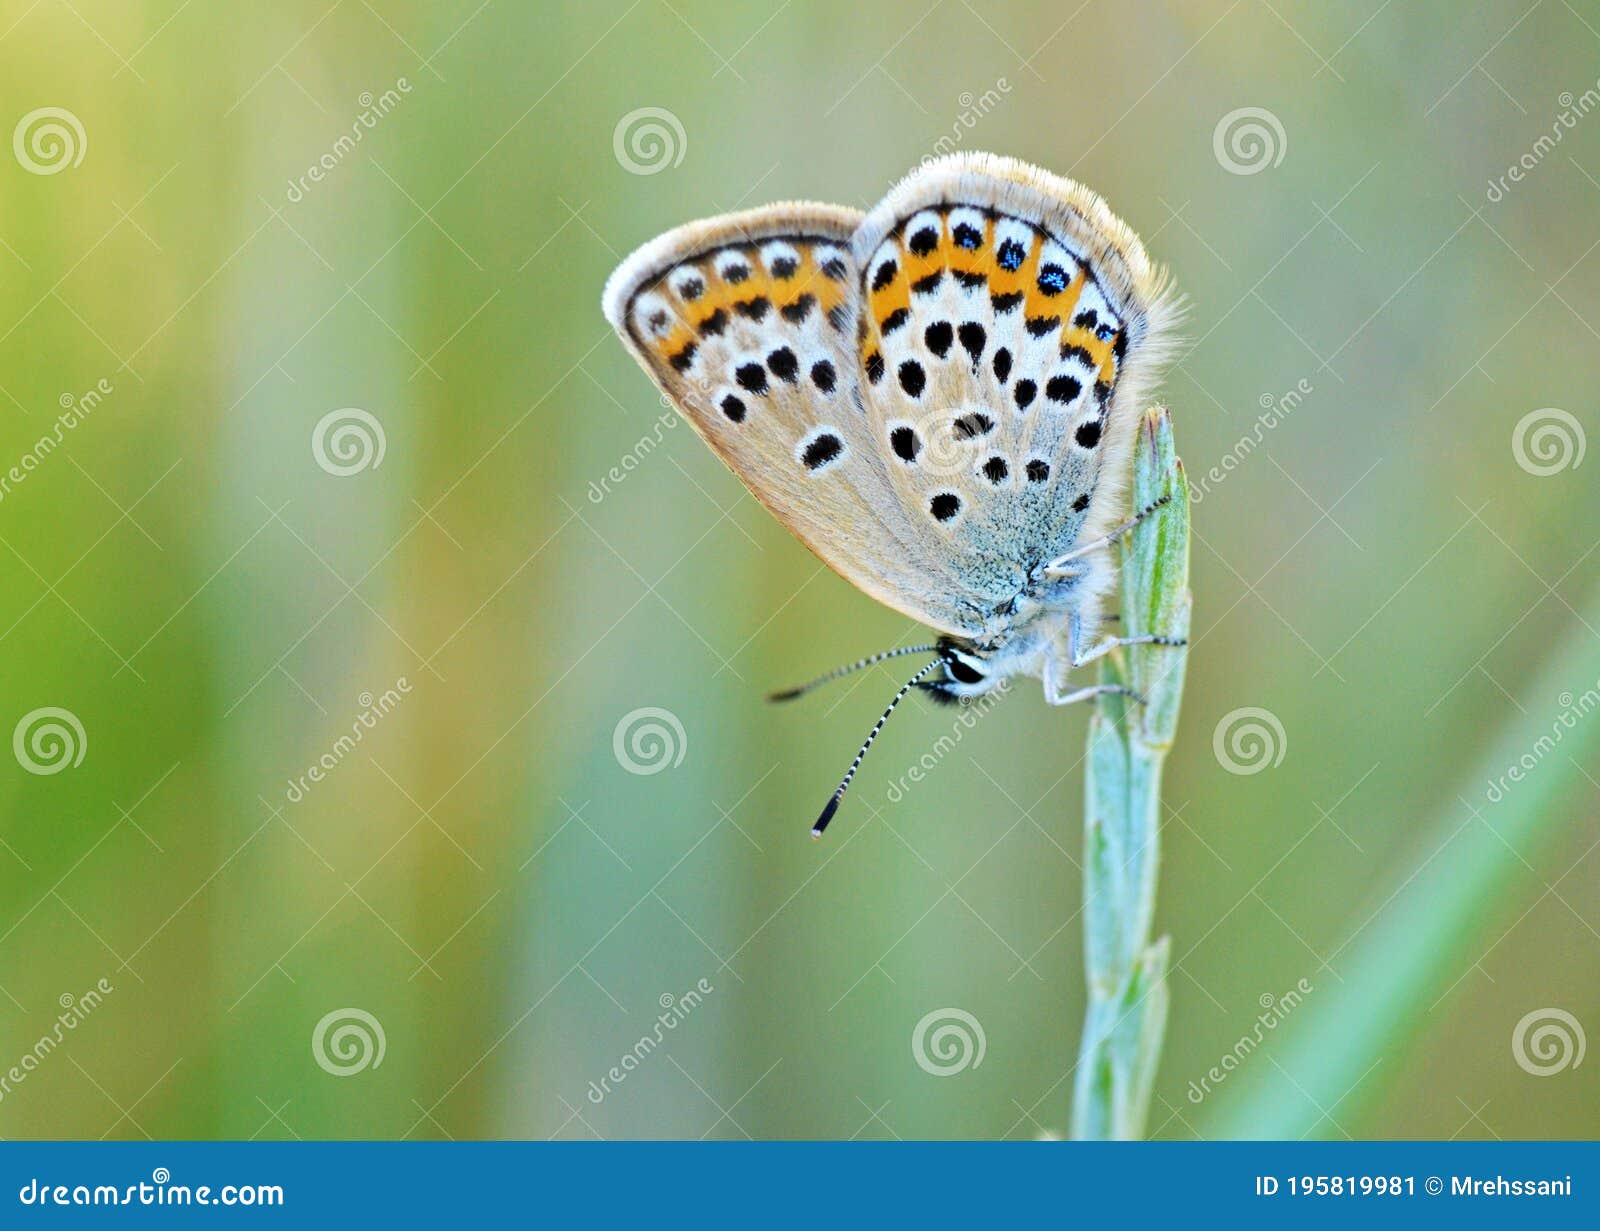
{"x": 1432, "y": 925}
{"x": 1127, "y": 1011}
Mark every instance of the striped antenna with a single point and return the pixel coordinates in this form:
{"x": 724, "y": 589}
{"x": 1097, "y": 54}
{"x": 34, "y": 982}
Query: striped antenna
{"x": 833, "y": 804}
{"x": 789, "y": 694}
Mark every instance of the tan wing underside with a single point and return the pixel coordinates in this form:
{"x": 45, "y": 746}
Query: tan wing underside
{"x": 748, "y": 324}
{"x": 1012, "y": 325}
{"x": 992, "y": 355}
{"x": 732, "y": 318}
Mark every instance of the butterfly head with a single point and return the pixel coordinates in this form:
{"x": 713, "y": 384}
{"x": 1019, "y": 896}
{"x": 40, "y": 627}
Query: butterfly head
{"x": 963, "y": 672}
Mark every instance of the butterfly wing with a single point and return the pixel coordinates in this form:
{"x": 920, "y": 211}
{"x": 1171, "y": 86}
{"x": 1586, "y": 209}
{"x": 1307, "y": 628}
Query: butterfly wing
{"x": 1011, "y": 327}
{"x": 748, "y": 324}
{"x": 929, "y": 397}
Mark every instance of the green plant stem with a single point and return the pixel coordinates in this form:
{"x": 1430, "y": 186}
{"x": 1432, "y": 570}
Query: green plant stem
{"x": 1128, "y": 742}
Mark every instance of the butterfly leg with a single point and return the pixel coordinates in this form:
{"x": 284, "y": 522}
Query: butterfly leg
{"x": 1094, "y": 690}
{"x": 1057, "y": 680}
{"x": 1078, "y": 656}
{"x": 1056, "y": 567}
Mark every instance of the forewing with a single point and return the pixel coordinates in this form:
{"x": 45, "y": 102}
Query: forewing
{"x": 748, "y": 323}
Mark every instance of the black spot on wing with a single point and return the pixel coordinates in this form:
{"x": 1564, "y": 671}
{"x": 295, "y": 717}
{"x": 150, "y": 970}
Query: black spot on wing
{"x": 797, "y": 311}
{"x": 1052, "y": 280}
{"x": 1062, "y": 389}
{"x": 784, "y": 365}
{"x": 683, "y": 359}
{"x": 822, "y": 450}
{"x": 975, "y": 423}
{"x": 972, "y": 339}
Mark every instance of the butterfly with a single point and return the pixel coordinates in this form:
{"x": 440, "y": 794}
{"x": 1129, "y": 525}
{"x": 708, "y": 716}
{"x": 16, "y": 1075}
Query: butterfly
{"x": 937, "y": 397}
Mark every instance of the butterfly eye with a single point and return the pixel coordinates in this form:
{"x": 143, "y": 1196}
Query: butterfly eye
{"x": 961, "y": 673}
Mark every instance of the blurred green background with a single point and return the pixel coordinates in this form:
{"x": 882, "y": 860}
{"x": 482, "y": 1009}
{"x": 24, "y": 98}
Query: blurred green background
{"x": 480, "y": 873}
